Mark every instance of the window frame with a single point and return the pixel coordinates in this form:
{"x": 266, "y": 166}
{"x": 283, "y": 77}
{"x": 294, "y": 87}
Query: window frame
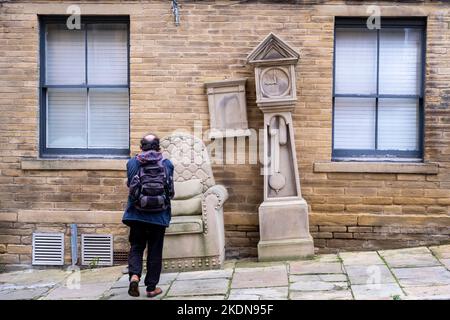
{"x": 44, "y": 151}
{"x": 375, "y": 154}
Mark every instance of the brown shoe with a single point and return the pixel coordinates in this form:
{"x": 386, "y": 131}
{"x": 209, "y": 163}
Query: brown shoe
{"x": 154, "y": 293}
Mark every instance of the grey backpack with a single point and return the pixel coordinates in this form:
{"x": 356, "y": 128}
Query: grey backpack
{"x": 149, "y": 187}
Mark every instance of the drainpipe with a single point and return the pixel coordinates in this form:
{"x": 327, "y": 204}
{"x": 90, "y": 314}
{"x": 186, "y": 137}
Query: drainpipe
{"x": 74, "y": 243}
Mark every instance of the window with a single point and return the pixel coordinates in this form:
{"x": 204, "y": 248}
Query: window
{"x": 378, "y": 89}
{"x": 84, "y": 87}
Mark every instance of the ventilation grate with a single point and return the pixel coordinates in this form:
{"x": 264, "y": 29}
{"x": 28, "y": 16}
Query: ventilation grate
{"x": 48, "y": 249}
{"x": 120, "y": 257}
{"x": 97, "y": 249}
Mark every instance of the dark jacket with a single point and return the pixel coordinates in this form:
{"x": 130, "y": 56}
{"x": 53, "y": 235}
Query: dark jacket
{"x": 131, "y": 214}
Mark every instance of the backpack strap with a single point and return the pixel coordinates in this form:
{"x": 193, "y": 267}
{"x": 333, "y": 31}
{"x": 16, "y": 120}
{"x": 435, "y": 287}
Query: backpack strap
{"x": 166, "y": 179}
{"x": 169, "y": 182}
{"x": 161, "y": 163}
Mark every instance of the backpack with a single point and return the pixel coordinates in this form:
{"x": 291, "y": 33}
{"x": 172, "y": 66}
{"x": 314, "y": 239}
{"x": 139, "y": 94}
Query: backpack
{"x": 149, "y": 187}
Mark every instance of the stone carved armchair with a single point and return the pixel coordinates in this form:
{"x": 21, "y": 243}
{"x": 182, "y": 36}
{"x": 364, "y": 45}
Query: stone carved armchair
{"x": 195, "y": 238}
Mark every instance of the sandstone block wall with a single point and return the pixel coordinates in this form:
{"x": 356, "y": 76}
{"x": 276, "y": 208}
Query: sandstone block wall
{"x": 169, "y": 66}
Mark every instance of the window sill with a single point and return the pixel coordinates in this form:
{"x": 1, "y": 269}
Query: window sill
{"x": 376, "y": 167}
{"x": 74, "y": 164}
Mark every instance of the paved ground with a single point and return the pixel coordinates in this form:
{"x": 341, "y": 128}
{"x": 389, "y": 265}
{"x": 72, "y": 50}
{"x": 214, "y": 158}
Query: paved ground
{"x": 417, "y": 273}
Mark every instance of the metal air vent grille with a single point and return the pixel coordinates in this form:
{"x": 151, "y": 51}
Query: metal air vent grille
{"x": 97, "y": 249}
{"x": 48, "y": 249}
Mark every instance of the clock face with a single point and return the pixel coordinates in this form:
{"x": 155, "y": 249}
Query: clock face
{"x": 275, "y": 82}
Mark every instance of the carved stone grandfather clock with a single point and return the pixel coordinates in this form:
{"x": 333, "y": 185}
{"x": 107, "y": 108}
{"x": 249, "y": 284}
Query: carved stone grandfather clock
{"x": 283, "y": 216}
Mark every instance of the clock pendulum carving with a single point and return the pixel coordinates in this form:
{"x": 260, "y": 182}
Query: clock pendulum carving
{"x": 278, "y": 137}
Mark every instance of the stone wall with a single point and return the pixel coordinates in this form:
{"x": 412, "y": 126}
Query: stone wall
{"x": 16, "y": 239}
{"x": 169, "y": 66}
{"x": 333, "y": 233}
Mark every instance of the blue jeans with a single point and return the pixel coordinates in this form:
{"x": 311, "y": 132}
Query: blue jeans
{"x": 151, "y": 236}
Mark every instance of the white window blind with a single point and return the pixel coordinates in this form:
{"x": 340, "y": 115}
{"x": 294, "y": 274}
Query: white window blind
{"x": 92, "y": 113}
{"x": 356, "y": 61}
{"x": 65, "y": 56}
{"x": 377, "y": 103}
{"x": 398, "y": 124}
{"x": 107, "y": 54}
{"x": 354, "y": 123}
{"x": 400, "y": 61}
{"x": 108, "y": 120}
{"x": 66, "y": 118}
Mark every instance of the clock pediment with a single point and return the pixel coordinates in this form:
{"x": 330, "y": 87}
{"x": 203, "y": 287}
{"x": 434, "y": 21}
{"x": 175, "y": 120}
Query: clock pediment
{"x": 273, "y": 50}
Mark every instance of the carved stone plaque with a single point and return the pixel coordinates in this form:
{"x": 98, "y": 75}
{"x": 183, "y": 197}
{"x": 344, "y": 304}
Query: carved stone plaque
{"x": 227, "y": 108}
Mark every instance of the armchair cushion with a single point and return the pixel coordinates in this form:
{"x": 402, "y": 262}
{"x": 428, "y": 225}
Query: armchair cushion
{"x": 187, "y": 207}
{"x": 187, "y": 224}
{"x": 187, "y": 189}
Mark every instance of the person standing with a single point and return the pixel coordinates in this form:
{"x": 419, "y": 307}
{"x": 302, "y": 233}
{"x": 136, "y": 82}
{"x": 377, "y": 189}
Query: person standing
{"x": 148, "y": 213}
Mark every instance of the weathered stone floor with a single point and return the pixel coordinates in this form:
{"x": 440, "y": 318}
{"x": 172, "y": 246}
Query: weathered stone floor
{"x": 415, "y": 273}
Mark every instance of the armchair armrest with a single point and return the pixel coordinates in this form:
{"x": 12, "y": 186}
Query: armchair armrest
{"x": 220, "y": 192}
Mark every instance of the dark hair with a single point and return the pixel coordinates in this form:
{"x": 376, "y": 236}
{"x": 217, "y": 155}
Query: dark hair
{"x": 150, "y": 142}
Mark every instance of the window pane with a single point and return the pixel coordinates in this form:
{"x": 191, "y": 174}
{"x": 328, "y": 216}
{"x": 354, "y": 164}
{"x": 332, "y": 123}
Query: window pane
{"x": 65, "y": 55}
{"x": 108, "y": 118}
{"x": 107, "y": 54}
{"x": 400, "y": 61}
{"x": 398, "y": 124}
{"x": 66, "y": 118}
{"x": 354, "y": 123}
{"x": 356, "y": 61}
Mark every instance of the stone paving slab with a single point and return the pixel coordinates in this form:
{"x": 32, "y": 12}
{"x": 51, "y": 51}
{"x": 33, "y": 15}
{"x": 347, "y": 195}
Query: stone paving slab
{"x": 446, "y": 263}
{"x": 428, "y": 292}
{"x": 229, "y": 264}
{"x": 275, "y": 276}
{"x": 411, "y": 257}
{"x": 90, "y": 291}
{"x": 212, "y": 274}
{"x": 199, "y": 287}
{"x": 317, "y": 286}
{"x": 255, "y": 264}
{"x": 385, "y": 291}
{"x": 167, "y": 278}
{"x": 24, "y": 294}
{"x": 314, "y": 267}
{"x": 329, "y": 257}
{"x": 412, "y": 261}
{"x": 416, "y": 250}
{"x": 441, "y": 252}
{"x": 276, "y": 293}
{"x": 97, "y": 275}
{"x": 360, "y": 258}
{"x": 122, "y": 294}
{"x": 321, "y": 295}
{"x": 370, "y": 274}
{"x": 319, "y": 277}
{"x": 425, "y": 276}
{"x": 6, "y": 286}
{"x": 31, "y": 278}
